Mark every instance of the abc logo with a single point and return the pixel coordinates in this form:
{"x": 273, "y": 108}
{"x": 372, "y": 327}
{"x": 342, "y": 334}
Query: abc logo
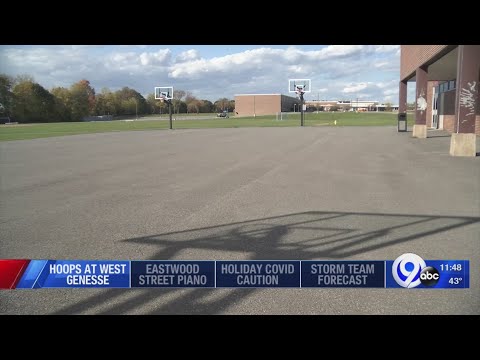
{"x": 429, "y": 276}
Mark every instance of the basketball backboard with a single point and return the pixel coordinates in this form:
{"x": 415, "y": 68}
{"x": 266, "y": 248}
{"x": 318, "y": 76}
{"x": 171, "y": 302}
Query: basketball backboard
{"x": 296, "y": 85}
{"x": 164, "y": 92}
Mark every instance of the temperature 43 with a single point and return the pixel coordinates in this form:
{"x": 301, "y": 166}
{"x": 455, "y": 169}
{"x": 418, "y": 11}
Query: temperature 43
{"x": 455, "y": 280}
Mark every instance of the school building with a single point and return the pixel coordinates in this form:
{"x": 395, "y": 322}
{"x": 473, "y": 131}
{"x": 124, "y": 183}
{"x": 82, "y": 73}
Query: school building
{"x": 264, "y": 104}
{"x": 446, "y": 80}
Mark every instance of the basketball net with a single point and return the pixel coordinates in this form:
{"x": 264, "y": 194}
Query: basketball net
{"x": 300, "y": 91}
{"x": 300, "y": 94}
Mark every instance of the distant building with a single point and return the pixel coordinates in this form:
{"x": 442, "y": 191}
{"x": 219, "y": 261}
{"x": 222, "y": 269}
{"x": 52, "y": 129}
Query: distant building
{"x": 384, "y": 107}
{"x": 349, "y": 105}
{"x": 264, "y": 104}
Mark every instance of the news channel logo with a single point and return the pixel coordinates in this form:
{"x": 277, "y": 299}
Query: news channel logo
{"x": 410, "y": 270}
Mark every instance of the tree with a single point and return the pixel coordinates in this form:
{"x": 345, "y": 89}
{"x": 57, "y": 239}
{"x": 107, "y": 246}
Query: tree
{"x": 80, "y": 100}
{"x": 110, "y": 102}
{"x": 224, "y": 104}
{"x": 131, "y": 102}
{"x": 100, "y": 104}
{"x": 62, "y": 104}
{"x": 334, "y": 108}
{"x": 189, "y": 97}
{"x": 191, "y": 107}
{"x": 6, "y": 95}
{"x": 194, "y": 106}
{"x": 207, "y": 106}
{"x": 156, "y": 106}
{"x": 192, "y": 103}
{"x": 91, "y": 95}
{"x": 177, "y": 100}
{"x": 22, "y": 78}
{"x": 33, "y": 103}
{"x": 388, "y": 106}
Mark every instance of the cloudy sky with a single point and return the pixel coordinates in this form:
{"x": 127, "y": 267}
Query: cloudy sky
{"x": 369, "y": 72}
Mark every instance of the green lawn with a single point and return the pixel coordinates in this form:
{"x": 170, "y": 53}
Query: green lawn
{"x": 192, "y": 115}
{"x": 32, "y": 131}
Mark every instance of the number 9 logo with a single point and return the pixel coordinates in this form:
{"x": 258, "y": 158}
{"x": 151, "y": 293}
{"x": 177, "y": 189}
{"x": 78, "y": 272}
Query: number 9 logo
{"x": 406, "y": 270}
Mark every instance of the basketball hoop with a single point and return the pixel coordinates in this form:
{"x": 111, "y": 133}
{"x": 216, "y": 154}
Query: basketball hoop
{"x": 300, "y": 87}
{"x": 164, "y": 93}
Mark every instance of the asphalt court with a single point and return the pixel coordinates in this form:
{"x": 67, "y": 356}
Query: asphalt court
{"x": 340, "y": 193}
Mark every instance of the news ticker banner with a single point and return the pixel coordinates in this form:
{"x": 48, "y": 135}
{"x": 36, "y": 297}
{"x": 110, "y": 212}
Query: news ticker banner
{"x": 407, "y": 271}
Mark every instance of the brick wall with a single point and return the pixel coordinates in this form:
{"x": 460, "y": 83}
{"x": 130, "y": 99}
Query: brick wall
{"x": 267, "y": 104}
{"x": 248, "y": 105}
{"x": 412, "y": 56}
{"x": 477, "y": 118}
{"x": 449, "y": 123}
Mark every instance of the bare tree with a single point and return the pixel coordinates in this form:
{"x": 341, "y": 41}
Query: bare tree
{"x": 178, "y": 95}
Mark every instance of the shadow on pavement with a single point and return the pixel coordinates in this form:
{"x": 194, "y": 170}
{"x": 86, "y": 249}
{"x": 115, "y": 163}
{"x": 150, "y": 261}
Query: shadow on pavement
{"x": 299, "y": 236}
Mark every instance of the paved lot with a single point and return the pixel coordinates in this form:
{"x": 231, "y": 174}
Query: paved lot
{"x": 265, "y": 193}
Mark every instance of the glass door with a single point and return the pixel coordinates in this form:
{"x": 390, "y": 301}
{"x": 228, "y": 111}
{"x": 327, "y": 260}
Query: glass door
{"x": 435, "y": 107}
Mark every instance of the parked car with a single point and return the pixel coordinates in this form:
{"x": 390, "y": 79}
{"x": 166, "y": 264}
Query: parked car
{"x": 223, "y": 114}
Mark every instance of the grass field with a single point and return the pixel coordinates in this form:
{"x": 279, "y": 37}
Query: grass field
{"x": 32, "y": 131}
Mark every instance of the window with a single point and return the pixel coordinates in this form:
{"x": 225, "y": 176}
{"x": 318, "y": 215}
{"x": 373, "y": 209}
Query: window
{"x": 446, "y": 86}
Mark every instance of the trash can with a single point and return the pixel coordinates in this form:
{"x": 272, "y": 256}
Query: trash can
{"x": 402, "y": 122}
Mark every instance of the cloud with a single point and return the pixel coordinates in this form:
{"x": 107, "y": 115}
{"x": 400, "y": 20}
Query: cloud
{"x": 188, "y": 55}
{"x": 336, "y": 71}
{"x": 161, "y": 57}
{"x": 387, "y": 48}
{"x": 134, "y": 46}
{"x": 353, "y": 88}
{"x": 391, "y": 92}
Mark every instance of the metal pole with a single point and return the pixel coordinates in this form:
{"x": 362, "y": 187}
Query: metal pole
{"x": 170, "y": 113}
{"x": 301, "y": 110}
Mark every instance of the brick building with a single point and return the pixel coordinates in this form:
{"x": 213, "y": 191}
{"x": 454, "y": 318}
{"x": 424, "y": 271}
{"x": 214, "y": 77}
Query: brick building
{"x": 446, "y": 91}
{"x": 264, "y": 104}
